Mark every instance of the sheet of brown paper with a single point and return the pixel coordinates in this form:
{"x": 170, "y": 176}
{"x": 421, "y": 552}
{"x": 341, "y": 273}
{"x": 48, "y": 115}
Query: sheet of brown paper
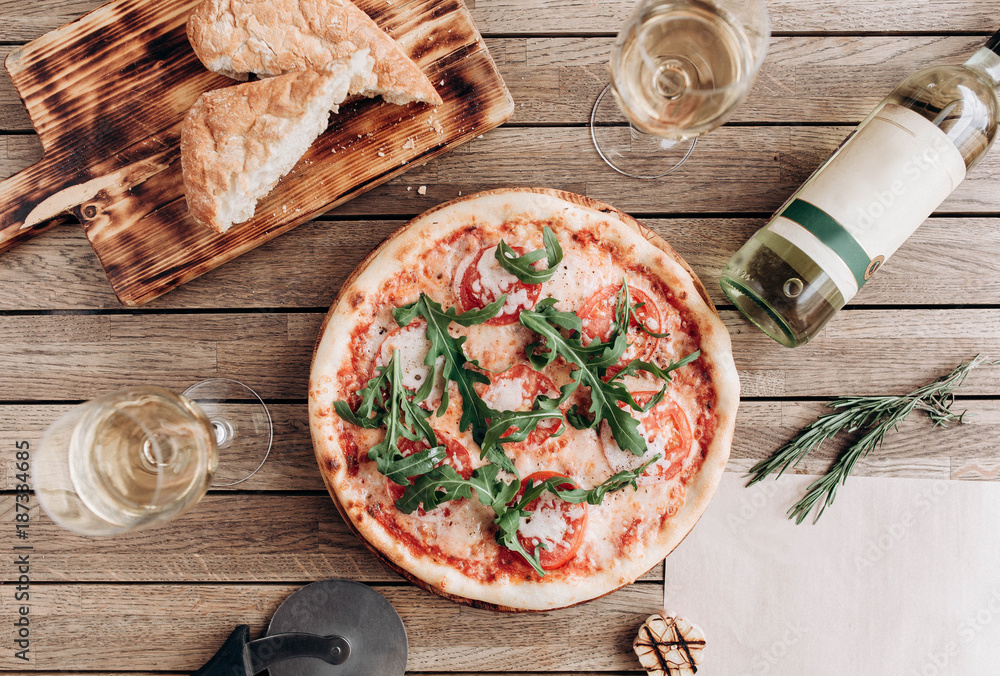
{"x": 899, "y": 577}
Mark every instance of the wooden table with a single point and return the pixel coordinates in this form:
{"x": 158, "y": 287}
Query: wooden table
{"x": 163, "y": 600}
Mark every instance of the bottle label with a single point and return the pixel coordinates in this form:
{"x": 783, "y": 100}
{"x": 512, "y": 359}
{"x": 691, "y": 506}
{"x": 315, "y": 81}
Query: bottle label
{"x": 871, "y": 195}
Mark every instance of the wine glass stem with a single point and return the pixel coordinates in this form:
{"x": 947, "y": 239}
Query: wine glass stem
{"x": 224, "y": 433}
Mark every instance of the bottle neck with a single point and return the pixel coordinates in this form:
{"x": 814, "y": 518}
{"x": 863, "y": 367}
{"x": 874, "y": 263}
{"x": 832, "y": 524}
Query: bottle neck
{"x": 986, "y": 61}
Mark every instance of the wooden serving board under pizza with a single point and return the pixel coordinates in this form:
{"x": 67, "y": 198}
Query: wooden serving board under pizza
{"x": 107, "y": 94}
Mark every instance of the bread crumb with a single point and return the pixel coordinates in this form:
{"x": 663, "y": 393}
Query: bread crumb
{"x": 436, "y": 126}
{"x": 409, "y": 143}
{"x": 409, "y": 188}
{"x": 422, "y": 190}
{"x": 459, "y": 193}
{"x": 442, "y": 79}
{"x": 480, "y": 136}
{"x": 381, "y": 154}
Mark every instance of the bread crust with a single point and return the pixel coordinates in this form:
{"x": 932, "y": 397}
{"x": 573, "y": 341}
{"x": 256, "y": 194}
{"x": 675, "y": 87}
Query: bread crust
{"x": 393, "y": 258}
{"x": 229, "y": 134}
{"x": 271, "y": 37}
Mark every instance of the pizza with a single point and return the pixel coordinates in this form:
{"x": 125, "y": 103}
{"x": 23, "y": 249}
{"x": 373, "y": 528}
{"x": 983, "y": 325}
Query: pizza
{"x": 522, "y": 399}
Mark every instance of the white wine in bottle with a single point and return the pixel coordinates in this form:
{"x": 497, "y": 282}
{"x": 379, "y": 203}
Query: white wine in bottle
{"x": 867, "y": 198}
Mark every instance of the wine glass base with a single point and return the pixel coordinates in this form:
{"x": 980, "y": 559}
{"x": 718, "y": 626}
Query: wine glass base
{"x": 628, "y": 150}
{"x": 242, "y": 424}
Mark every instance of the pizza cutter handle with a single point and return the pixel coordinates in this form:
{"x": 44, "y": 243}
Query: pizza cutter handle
{"x": 270, "y": 650}
{"x": 239, "y": 656}
{"x": 232, "y": 658}
{"x": 31, "y": 198}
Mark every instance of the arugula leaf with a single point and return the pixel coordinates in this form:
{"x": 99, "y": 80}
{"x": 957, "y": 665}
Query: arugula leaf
{"x": 636, "y": 365}
{"x": 625, "y": 313}
{"x": 525, "y": 422}
{"x": 591, "y": 363}
{"x": 595, "y": 495}
{"x": 443, "y": 483}
{"x": 475, "y": 412}
{"x": 386, "y": 403}
{"x": 371, "y": 402}
{"x": 523, "y": 267}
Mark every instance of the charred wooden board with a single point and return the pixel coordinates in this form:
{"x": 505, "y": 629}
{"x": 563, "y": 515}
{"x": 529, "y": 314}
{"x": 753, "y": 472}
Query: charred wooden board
{"x": 107, "y": 94}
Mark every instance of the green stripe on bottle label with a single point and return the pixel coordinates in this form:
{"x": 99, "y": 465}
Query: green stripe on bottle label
{"x": 826, "y": 228}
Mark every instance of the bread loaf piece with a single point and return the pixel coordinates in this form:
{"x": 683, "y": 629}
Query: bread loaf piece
{"x": 271, "y": 37}
{"x": 237, "y": 142}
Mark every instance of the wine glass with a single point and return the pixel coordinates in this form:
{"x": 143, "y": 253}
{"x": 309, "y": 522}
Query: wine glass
{"x": 144, "y": 455}
{"x": 679, "y": 69}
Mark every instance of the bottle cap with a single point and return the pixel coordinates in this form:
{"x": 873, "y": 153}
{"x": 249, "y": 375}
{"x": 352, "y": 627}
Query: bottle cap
{"x": 993, "y": 43}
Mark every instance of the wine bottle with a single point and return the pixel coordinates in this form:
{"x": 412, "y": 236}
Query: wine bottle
{"x": 867, "y": 198}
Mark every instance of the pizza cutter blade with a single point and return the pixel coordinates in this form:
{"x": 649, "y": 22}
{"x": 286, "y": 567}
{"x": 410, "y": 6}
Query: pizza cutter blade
{"x": 327, "y": 628}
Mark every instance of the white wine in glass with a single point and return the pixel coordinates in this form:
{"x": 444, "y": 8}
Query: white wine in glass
{"x": 679, "y": 69}
{"x": 145, "y": 455}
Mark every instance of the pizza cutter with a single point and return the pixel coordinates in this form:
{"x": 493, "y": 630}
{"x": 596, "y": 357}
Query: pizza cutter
{"x": 327, "y": 628}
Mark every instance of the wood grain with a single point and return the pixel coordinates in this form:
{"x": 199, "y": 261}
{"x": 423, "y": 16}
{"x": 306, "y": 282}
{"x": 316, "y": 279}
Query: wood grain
{"x": 556, "y": 80}
{"x": 965, "y": 451}
{"x": 241, "y": 538}
{"x": 117, "y": 166}
{"x": 22, "y": 20}
{"x": 177, "y": 592}
{"x": 305, "y": 268}
{"x": 192, "y": 621}
{"x": 827, "y": 16}
{"x": 860, "y": 352}
{"x": 803, "y": 79}
{"x": 735, "y": 170}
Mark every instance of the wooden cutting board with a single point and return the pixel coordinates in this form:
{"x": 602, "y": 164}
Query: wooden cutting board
{"x": 107, "y": 93}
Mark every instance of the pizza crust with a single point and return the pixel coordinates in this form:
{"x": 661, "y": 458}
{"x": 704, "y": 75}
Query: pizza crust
{"x": 395, "y": 258}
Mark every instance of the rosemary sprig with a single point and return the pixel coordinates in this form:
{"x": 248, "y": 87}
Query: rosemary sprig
{"x": 876, "y": 416}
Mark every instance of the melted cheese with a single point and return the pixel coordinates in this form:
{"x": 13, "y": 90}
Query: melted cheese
{"x": 467, "y": 532}
{"x": 413, "y": 346}
{"x": 496, "y": 281}
{"x": 548, "y": 524}
{"x": 505, "y": 394}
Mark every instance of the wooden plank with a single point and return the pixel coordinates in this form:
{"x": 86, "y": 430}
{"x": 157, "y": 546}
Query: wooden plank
{"x": 761, "y": 428}
{"x": 22, "y": 20}
{"x": 279, "y": 538}
{"x": 824, "y": 16}
{"x": 734, "y": 170}
{"x": 915, "y": 450}
{"x": 78, "y": 357}
{"x": 290, "y": 466}
{"x": 305, "y": 268}
{"x": 556, "y": 80}
{"x": 90, "y": 627}
{"x": 829, "y": 79}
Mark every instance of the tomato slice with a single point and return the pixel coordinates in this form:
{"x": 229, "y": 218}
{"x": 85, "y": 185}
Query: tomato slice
{"x": 516, "y": 390}
{"x": 667, "y": 433}
{"x": 411, "y": 341}
{"x": 598, "y": 316}
{"x": 456, "y": 455}
{"x": 554, "y": 523}
{"x": 481, "y": 281}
